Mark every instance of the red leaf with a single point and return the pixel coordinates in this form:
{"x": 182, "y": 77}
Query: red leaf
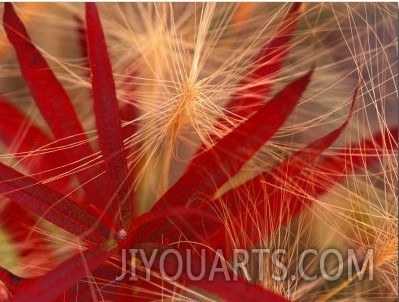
{"x": 52, "y": 100}
{"x": 235, "y": 201}
{"x": 107, "y": 118}
{"x": 49, "y": 204}
{"x": 267, "y": 188}
{"x": 212, "y": 169}
{"x": 328, "y": 172}
{"x": 66, "y": 275}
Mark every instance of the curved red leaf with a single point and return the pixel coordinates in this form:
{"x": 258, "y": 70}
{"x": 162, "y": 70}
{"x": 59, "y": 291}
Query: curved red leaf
{"x": 107, "y": 119}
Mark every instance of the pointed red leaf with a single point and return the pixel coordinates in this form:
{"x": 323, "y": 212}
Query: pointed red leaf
{"x": 52, "y": 100}
{"x": 285, "y": 203}
{"x": 268, "y": 185}
{"x": 212, "y": 169}
{"x": 107, "y": 118}
{"x": 236, "y": 203}
{"x": 49, "y": 204}
{"x": 66, "y": 275}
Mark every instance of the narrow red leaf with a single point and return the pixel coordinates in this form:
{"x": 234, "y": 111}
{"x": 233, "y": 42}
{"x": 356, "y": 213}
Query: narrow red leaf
{"x": 49, "y": 204}
{"x": 285, "y": 203}
{"x": 52, "y": 100}
{"x": 107, "y": 118}
{"x": 268, "y": 185}
{"x": 236, "y": 203}
{"x": 127, "y": 111}
{"x": 212, "y": 169}
{"x": 67, "y": 274}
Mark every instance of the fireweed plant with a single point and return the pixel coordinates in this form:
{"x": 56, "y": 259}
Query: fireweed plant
{"x": 202, "y": 130}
